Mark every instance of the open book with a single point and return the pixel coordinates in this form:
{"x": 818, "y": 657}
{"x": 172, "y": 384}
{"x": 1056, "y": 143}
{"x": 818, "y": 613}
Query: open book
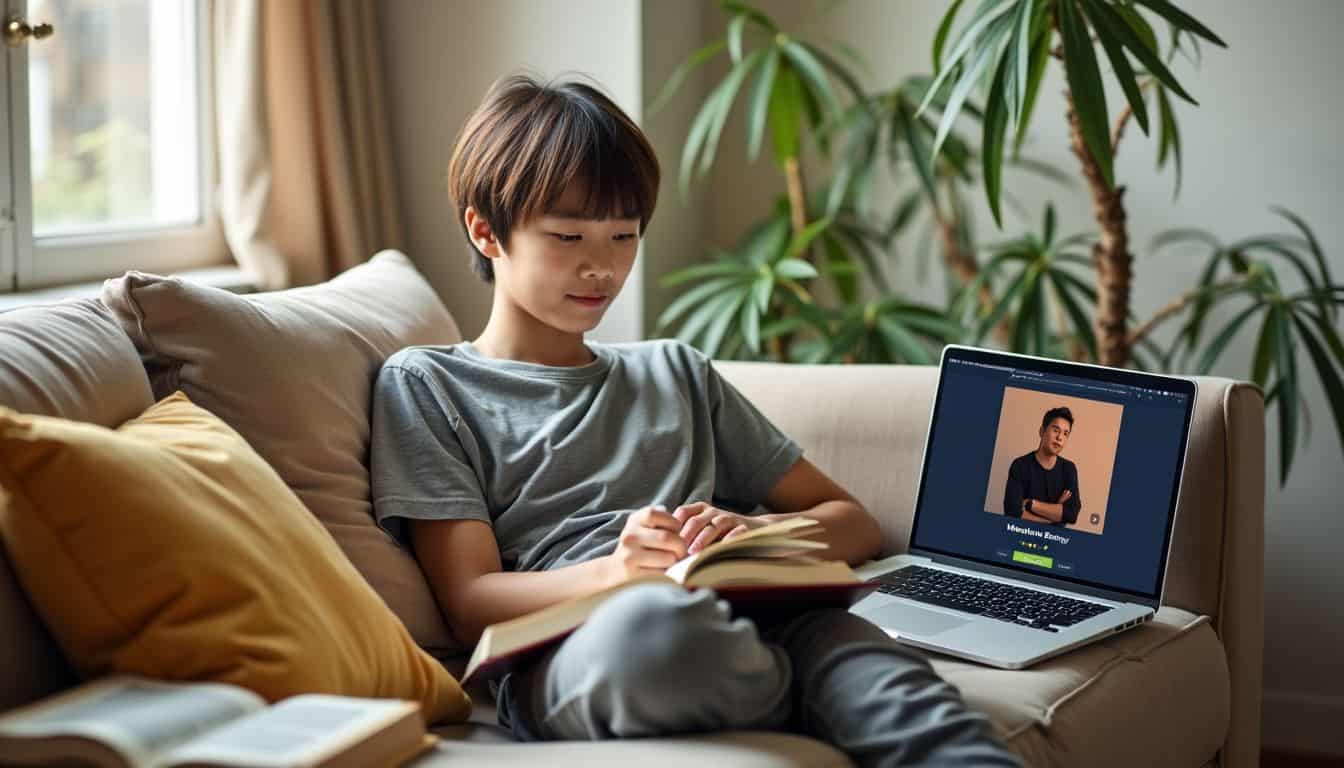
{"x": 134, "y": 722}
{"x": 763, "y": 572}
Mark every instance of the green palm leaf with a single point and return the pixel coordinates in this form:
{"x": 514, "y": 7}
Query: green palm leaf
{"x": 758, "y": 109}
{"x": 1313, "y": 244}
{"x": 1089, "y": 98}
{"x": 1219, "y": 343}
{"x": 992, "y": 319}
{"x": 694, "y": 297}
{"x": 902, "y": 344}
{"x": 1116, "y": 28}
{"x": 1325, "y": 369}
{"x": 1288, "y": 399}
{"x": 1265, "y": 349}
{"x": 1036, "y": 61}
{"x": 968, "y": 80}
{"x": 1181, "y": 20}
{"x": 995, "y": 125}
{"x": 1168, "y": 137}
{"x": 989, "y": 13}
{"x": 786, "y": 115}
{"x": 813, "y": 74}
{"x": 718, "y": 268}
{"x": 1108, "y": 33}
{"x": 1082, "y": 326}
{"x": 731, "y": 84}
{"x": 683, "y": 71}
{"x": 736, "y": 30}
{"x": 711, "y": 313}
{"x": 1017, "y": 60}
{"x": 940, "y": 37}
{"x": 795, "y": 269}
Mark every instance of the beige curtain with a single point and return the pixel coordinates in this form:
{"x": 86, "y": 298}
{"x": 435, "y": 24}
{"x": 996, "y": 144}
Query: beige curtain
{"x": 305, "y": 165}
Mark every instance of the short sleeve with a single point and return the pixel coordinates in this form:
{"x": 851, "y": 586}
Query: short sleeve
{"x": 418, "y": 466}
{"x": 751, "y": 453}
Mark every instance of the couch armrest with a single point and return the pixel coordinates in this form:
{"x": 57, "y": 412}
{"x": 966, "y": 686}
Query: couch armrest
{"x": 865, "y": 425}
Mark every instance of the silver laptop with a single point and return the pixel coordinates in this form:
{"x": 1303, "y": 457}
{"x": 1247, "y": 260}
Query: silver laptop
{"x": 1045, "y": 507}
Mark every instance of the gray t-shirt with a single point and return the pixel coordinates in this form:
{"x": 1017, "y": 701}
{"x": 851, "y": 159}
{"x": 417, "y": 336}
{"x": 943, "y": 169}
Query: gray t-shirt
{"x": 555, "y": 458}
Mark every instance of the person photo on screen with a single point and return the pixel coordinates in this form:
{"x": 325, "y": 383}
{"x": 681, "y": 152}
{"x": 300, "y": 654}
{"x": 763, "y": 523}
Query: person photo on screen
{"x": 1043, "y": 485}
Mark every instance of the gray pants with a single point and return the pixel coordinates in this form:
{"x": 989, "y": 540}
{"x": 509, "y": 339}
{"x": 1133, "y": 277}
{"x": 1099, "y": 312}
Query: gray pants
{"x": 656, "y": 660}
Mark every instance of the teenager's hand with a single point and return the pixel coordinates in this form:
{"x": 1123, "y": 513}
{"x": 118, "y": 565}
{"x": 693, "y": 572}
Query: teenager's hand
{"x": 702, "y": 524}
{"x": 1065, "y": 496}
{"x": 648, "y": 544}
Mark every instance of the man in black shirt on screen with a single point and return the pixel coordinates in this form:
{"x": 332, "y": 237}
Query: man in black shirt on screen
{"x": 1042, "y": 485}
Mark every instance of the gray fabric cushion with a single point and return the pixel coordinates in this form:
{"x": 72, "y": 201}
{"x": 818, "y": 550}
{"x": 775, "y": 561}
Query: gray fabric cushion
{"x": 71, "y": 360}
{"x": 292, "y": 371}
{"x": 1164, "y": 682}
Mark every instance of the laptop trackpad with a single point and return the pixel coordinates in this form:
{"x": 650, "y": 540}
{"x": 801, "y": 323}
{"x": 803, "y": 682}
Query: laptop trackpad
{"x": 909, "y": 620}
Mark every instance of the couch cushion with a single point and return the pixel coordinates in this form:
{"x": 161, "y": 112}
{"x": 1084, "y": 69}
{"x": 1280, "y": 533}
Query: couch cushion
{"x": 1166, "y": 680}
{"x": 739, "y": 749}
{"x": 292, "y": 371}
{"x": 69, "y": 359}
{"x": 180, "y": 555}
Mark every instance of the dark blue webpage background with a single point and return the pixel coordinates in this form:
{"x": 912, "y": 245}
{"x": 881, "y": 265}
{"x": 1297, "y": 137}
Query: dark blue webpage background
{"x": 1127, "y": 555}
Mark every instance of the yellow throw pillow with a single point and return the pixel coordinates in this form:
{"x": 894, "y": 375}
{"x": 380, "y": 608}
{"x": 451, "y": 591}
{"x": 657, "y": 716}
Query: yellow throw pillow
{"x": 169, "y": 548}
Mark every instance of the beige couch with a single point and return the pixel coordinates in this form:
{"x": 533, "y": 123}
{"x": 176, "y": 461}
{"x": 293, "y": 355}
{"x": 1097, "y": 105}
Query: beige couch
{"x": 1181, "y": 691}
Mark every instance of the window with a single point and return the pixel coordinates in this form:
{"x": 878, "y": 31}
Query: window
{"x": 110, "y": 164}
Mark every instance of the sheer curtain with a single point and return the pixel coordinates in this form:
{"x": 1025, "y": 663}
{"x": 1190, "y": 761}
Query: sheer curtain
{"x": 304, "y": 163}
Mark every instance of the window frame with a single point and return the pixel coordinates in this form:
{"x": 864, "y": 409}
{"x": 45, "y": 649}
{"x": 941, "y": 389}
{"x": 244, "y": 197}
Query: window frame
{"x": 33, "y": 263}
{"x": 8, "y": 216}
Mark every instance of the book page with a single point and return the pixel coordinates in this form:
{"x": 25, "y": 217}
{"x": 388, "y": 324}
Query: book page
{"x": 774, "y": 540}
{"x": 297, "y": 731}
{"x": 136, "y": 717}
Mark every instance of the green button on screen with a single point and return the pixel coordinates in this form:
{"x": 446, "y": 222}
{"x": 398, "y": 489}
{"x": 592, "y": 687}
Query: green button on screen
{"x": 1041, "y": 560}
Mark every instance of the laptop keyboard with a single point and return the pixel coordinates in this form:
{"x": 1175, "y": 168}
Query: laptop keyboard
{"x": 991, "y": 599}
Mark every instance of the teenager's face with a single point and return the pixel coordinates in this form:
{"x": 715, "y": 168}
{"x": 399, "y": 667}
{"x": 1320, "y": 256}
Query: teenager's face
{"x": 565, "y": 270}
{"x": 1055, "y": 436}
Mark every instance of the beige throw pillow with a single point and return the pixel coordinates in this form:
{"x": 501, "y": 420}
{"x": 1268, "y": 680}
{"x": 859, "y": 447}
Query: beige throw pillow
{"x": 292, "y": 371}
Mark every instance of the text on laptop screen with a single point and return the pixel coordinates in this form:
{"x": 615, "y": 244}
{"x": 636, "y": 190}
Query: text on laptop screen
{"x": 1053, "y": 474}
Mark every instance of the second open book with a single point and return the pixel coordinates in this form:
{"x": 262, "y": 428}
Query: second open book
{"x": 764, "y": 571}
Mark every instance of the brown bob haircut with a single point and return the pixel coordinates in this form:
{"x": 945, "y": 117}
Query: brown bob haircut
{"x": 528, "y": 142}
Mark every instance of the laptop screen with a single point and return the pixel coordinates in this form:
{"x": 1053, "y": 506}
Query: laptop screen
{"x": 1054, "y": 469}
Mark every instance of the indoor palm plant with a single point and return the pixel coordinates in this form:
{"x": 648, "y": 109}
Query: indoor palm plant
{"x": 807, "y": 282}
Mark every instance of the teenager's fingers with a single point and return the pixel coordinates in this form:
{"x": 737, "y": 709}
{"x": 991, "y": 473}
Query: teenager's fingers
{"x": 711, "y": 533}
{"x": 656, "y": 560}
{"x": 738, "y": 531}
{"x": 658, "y": 517}
{"x": 664, "y": 540}
{"x": 695, "y": 525}
{"x": 687, "y": 511}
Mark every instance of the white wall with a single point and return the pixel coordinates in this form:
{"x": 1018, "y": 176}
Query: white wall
{"x": 1266, "y": 133}
{"x": 678, "y": 233}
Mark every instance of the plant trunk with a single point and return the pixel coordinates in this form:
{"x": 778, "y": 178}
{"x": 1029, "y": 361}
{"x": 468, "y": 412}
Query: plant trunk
{"x": 963, "y": 266}
{"x": 1110, "y": 255}
{"x": 793, "y": 177}
{"x": 797, "y": 190}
